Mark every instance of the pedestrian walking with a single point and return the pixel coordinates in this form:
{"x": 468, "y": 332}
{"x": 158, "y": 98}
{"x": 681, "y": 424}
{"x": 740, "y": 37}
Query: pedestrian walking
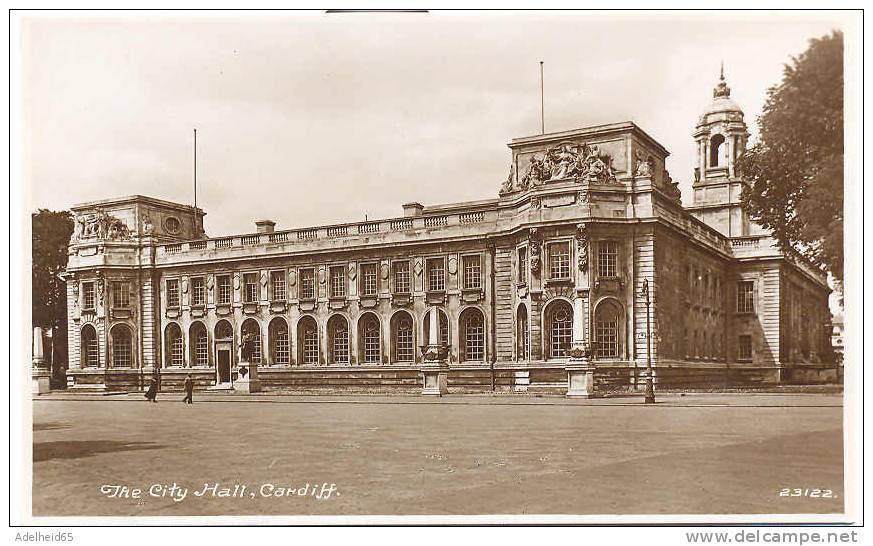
{"x": 189, "y": 390}
{"x": 151, "y": 393}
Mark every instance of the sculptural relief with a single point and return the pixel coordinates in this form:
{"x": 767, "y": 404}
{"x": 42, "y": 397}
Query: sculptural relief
{"x": 582, "y": 246}
{"x": 534, "y": 246}
{"x": 580, "y": 162}
{"x": 645, "y": 166}
{"x": 100, "y": 225}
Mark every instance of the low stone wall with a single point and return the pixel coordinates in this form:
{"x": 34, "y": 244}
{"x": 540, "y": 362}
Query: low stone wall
{"x": 534, "y": 378}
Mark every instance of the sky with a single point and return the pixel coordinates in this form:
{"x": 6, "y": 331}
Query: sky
{"x": 310, "y": 119}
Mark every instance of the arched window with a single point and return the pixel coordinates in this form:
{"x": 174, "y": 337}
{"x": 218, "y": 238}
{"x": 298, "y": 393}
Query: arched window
{"x": 198, "y": 338}
{"x": 444, "y": 327}
{"x": 122, "y": 346}
{"x": 404, "y": 342}
{"x": 559, "y": 325}
{"x": 338, "y": 339}
{"x": 89, "y": 351}
{"x": 223, "y": 330}
{"x": 175, "y": 346}
{"x": 251, "y": 326}
{"x": 307, "y": 341}
{"x": 522, "y": 333}
{"x": 607, "y": 331}
{"x": 472, "y": 329}
{"x": 715, "y": 150}
{"x": 369, "y": 334}
{"x": 280, "y": 343}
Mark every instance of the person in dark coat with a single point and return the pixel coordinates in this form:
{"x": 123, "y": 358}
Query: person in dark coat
{"x": 189, "y": 390}
{"x": 152, "y": 393}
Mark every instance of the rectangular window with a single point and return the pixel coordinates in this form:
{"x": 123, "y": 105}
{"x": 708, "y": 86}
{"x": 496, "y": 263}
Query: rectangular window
{"x": 310, "y": 346}
{"x": 368, "y": 280}
{"x": 198, "y": 291}
{"x": 607, "y": 259}
{"x": 522, "y": 265}
{"x": 307, "y": 284}
{"x": 224, "y": 289}
{"x": 606, "y": 332}
{"x": 177, "y": 352}
{"x": 121, "y": 353}
{"x": 277, "y": 285}
{"x": 746, "y": 297}
{"x": 282, "y": 347}
{"x": 436, "y": 274}
{"x": 401, "y": 277}
{"x": 201, "y": 350}
{"x": 559, "y": 261}
{"x": 472, "y": 272}
{"x": 88, "y": 295}
{"x": 744, "y": 347}
{"x": 251, "y": 291}
{"x": 340, "y": 335}
{"x": 92, "y": 352}
{"x": 173, "y": 293}
{"x": 338, "y": 281}
{"x": 120, "y": 294}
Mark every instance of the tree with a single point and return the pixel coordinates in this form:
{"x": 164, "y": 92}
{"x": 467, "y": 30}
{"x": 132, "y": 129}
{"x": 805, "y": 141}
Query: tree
{"x": 51, "y": 237}
{"x": 795, "y": 170}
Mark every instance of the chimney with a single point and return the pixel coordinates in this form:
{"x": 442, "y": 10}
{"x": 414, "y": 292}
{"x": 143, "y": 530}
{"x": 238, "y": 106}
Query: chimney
{"x": 412, "y": 209}
{"x": 265, "y": 226}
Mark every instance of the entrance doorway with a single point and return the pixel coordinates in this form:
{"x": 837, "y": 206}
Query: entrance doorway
{"x": 224, "y": 365}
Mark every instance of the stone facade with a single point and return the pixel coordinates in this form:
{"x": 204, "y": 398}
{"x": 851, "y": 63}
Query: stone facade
{"x": 530, "y": 287}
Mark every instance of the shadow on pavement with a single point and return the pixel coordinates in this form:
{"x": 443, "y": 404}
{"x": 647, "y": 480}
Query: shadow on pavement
{"x": 70, "y": 449}
{"x": 37, "y": 427}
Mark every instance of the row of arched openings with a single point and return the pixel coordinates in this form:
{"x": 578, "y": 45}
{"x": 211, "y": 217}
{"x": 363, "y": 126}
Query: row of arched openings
{"x": 558, "y": 330}
{"x": 120, "y": 349}
{"x": 277, "y": 347}
{"x": 557, "y": 342}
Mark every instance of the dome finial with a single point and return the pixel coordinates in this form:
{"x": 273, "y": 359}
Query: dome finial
{"x": 721, "y": 90}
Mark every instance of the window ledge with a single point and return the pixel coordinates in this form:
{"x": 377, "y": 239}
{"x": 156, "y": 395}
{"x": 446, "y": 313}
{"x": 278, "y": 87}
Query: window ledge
{"x": 560, "y": 280}
{"x": 436, "y": 296}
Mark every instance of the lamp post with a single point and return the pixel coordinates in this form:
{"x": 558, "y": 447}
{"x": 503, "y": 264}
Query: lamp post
{"x": 650, "y": 388}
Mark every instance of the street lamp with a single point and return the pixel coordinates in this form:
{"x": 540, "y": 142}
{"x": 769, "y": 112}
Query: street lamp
{"x": 650, "y": 388}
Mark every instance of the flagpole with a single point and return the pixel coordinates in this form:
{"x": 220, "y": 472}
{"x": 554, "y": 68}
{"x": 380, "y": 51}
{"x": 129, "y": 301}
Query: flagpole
{"x": 195, "y": 168}
{"x": 542, "y": 103}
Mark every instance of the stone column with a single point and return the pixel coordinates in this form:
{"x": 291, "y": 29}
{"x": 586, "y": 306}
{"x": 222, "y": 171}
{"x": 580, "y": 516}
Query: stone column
{"x": 434, "y": 369}
{"x": 39, "y": 372}
{"x": 580, "y": 370}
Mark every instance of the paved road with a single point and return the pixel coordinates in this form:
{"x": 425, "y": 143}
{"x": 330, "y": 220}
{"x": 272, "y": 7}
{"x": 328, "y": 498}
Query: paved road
{"x": 693, "y": 454}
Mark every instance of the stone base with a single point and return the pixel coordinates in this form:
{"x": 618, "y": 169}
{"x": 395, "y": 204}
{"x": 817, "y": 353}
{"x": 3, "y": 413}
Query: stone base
{"x": 220, "y": 387}
{"x": 248, "y": 378}
{"x": 580, "y": 381}
{"x": 247, "y": 385}
{"x": 41, "y": 381}
{"x": 435, "y": 380}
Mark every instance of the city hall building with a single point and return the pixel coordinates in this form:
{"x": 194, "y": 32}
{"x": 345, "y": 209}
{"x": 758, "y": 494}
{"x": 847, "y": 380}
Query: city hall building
{"x": 542, "y": 281}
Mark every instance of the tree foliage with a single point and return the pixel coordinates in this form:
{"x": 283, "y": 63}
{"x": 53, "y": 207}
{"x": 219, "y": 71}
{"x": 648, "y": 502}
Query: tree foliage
{"x": 795, "y": 170}
{"x": 51, "y": 237}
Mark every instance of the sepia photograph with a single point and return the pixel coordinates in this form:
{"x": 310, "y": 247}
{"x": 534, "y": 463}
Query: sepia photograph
{"x": 436, "y": 267}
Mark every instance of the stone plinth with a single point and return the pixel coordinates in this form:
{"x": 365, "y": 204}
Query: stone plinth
{"x": 580, "y": 379}
{"x": 247, "y": 380}
{"x": 41, "y": 380}
{"x": 435, "y": 378}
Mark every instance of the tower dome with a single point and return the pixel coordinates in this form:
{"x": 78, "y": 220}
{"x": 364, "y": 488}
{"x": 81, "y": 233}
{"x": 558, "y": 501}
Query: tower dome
{"x": 723, "y": 107}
